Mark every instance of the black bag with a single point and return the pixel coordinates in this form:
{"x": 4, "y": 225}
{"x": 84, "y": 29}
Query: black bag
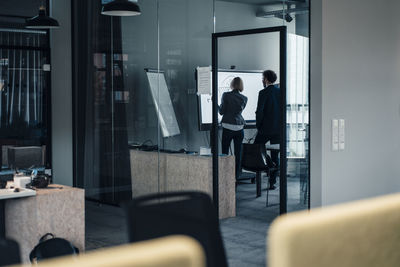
{"x": 50, "y": 248}
{"x": 255, "y": 157}
{"x": 41, "y": 181}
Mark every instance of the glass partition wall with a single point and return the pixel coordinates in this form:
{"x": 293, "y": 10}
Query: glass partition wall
{"x": 25, "y": 117}
{"x": 138, "y": 112}
{"x": 100, "y": 98}
{"x": 245, "y": 15}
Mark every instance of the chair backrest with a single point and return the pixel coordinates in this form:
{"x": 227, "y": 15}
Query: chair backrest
{"x": 25, "y": 157}
{"x": 364, "y": 233}
{"x": 9, "y": 252}
{"x": 173, "y": 251}
{"x": 182, "y": 213}
{"x": 255, "y": 157}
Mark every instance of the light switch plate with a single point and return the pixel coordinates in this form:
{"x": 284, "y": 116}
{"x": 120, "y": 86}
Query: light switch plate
{"x": 335, "y": 135}
{"x": 341, "y": 134}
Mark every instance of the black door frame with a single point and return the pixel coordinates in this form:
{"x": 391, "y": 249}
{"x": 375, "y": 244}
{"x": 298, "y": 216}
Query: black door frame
{"x": 282, "y": 30}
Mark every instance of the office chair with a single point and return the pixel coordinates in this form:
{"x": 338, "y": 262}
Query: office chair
{"x": 256, "y": 159}
{"x": 173, "y": 251}
{"x": 363, "y": 233}
{"x": 182, "y": 213}
{"x": 9, "y": 252}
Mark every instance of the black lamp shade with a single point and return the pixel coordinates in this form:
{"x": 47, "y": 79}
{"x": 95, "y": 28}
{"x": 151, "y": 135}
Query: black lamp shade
{"x": 41, "y": 21}
{"x": 121, "y": 8}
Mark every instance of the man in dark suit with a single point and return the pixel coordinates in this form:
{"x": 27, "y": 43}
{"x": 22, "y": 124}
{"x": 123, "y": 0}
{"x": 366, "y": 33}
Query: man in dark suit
{"x": 268, "y": 117}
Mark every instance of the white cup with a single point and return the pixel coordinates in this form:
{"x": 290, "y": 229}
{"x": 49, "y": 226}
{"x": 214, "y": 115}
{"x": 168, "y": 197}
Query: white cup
{"x": 21, "y": 181}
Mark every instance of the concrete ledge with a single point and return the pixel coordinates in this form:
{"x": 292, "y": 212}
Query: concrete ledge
{"x": 181, "y": 172}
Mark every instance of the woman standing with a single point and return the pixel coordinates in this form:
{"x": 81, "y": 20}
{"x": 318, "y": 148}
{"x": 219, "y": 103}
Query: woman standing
{"x": 232, "y": 105}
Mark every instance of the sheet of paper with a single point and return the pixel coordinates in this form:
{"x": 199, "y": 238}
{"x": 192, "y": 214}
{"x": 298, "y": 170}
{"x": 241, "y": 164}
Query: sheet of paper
{"x": 204, "y": 80}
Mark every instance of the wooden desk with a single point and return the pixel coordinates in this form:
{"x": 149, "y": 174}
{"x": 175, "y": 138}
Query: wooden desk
{"x": 52, "y": 210}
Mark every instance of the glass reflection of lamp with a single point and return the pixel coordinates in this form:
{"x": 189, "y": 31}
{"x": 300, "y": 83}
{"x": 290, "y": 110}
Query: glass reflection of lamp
{"x": 121, "y": 8}
{"x": 41, "y": 21}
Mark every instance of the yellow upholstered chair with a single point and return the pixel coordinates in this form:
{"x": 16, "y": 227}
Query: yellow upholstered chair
{"x": 363, "y": 233}
{"x": 172, "y": 251}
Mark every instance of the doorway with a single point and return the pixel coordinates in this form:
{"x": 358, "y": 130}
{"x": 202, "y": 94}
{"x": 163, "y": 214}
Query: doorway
{"x": 246, "y": 54}
{"x": 243, "y": 54}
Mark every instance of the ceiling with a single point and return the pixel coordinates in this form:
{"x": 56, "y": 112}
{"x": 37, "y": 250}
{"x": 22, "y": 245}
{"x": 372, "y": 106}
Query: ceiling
{"x": 264, "y": 2}
{"x": 26, "y": 8}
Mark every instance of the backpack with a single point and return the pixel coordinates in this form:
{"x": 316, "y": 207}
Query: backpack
{"x": 52, "y": 247}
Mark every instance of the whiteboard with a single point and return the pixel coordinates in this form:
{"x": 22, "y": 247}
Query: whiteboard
{"x": 252, "y": 84}
{"x": 162, "y": 102}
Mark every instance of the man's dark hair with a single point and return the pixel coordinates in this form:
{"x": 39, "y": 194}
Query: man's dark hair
{"x": 270, "y": 75}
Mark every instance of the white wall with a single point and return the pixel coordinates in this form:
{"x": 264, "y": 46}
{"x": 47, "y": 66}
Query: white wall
{"x": 360, "y": 42}
{"x": 61, "y": 93}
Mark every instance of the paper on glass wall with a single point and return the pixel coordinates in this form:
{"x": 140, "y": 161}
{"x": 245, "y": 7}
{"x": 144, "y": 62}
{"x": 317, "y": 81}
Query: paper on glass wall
{"x": 204, "y": 80}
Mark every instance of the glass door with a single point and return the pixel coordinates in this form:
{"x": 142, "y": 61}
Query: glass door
{"x": 247, "y": 54}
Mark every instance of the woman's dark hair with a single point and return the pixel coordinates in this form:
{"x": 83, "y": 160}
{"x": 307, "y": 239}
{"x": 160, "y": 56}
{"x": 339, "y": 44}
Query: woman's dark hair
{"x": 237, "y": 84}
{"x": 270, "y": 75}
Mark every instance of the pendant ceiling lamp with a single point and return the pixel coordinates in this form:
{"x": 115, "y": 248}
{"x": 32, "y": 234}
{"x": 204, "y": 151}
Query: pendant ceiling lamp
{"x": 121, "y": 8}
{"x": 41, "y": 21}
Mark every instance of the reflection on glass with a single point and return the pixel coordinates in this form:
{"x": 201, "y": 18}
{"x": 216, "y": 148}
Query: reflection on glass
{"x": 185, "y": 28}
{"x": 297, "y": 95}
{"x": 101, "y": 146}
{"x": 24, "y": 85}
{"x": 162, "y": 102}
{"x": 298, "y": 116}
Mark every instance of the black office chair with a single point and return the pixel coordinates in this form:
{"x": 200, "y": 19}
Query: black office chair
{"x": 256, "y": 159}
{"x": 9, "y": 252}
{"x": 185, "y": 213}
